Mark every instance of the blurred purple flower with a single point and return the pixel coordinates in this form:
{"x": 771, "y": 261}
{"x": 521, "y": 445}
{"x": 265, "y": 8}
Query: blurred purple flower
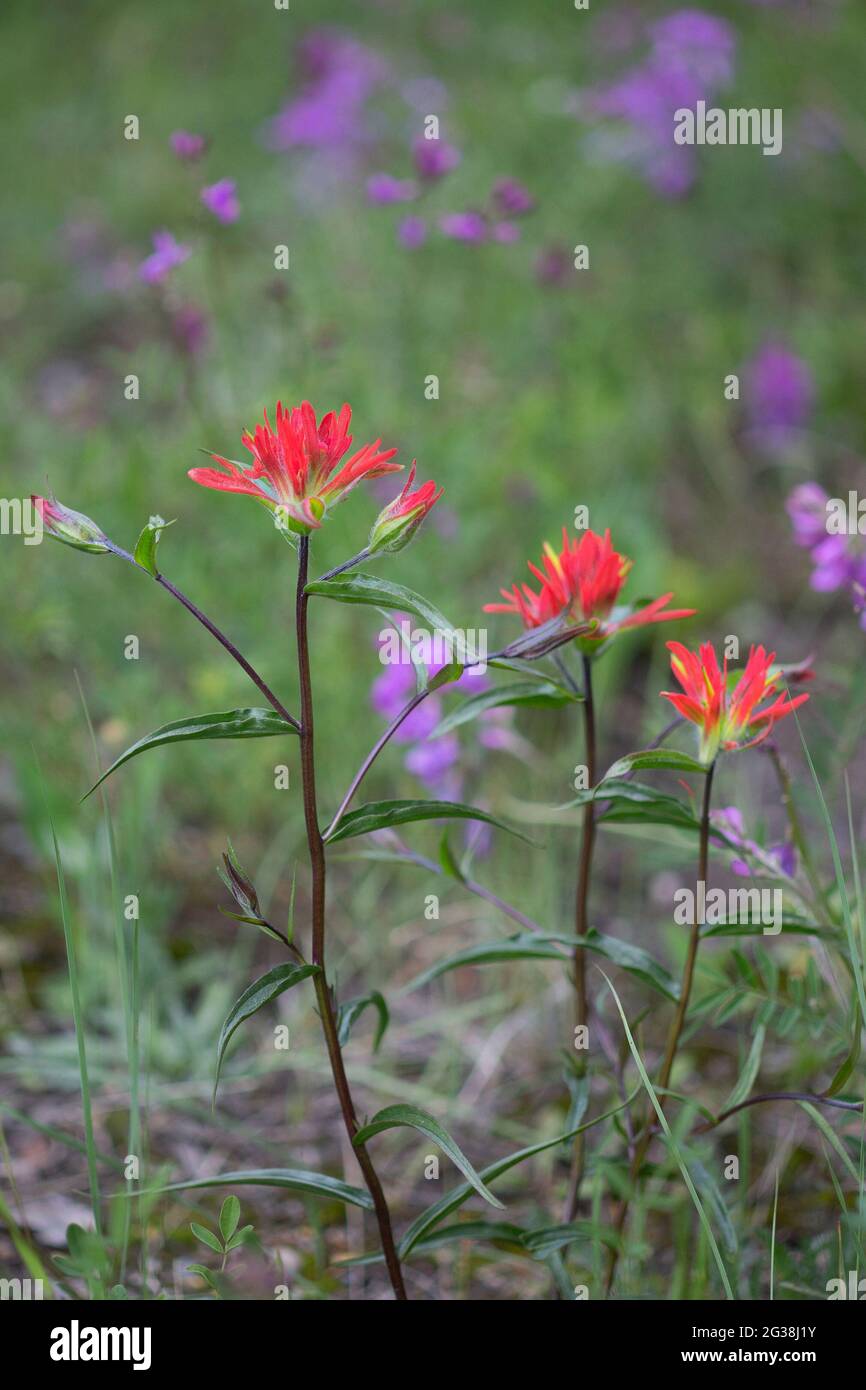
{"x": 553, "y": 266}
{"x": 341, "y": 74}
{"x": 511, "y": 198}
{"x": 412, "y": 233}
{"x": 191, "y": 329}
{"x": 464, "y": 226}
{"x": 432, "y": 758}
{"x": 780, "y": 858}
{"x": 696, "y": 44}
{"x": 645, "y": 99}
{"x": 779, "y": 394}
{"x": 187, "y": 146}
{"x": 506, "y": 232}
{"x": 385, "y": 189}
{"x": 167, "y": 253}
{"x": 807, "y": 508}
{"x": 434, "y": 158}
{"x": 221, "y": 199}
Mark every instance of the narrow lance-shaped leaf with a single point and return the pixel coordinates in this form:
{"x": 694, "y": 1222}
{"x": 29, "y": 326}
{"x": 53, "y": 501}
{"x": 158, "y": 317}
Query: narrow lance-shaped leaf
{"x": 452, "y": 1200}
{"x": 656, "y": 760}
{"x": 351, "y": 1011}
{"x": 294, "y": 1179}
{"x": 379, "y": 593}
{"x": 538, "y": 946}
{"x": 535, "y": 693}
{"x": 261, "y": 992}
{"x": 394, "y": 1116}
{"x": 232, "y": 723}
{"x": 384, "y": 815}
{"x": 747, "y": 1076}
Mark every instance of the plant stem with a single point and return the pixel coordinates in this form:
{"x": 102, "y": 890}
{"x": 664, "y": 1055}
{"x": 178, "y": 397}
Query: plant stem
{"x": 581, "y": 926}
{"x": 372, "y": 756}
{"x": 323, "y": 991}
{"x": 677, "y": 1024}
{"x": 215, "y": 632}
{"x": 346, "y": 565}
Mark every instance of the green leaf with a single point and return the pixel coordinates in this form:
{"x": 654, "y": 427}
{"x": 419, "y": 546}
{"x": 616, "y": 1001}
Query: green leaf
{"x": 230, "y": 1215}
{"x": 446, "y": 675}
{"x": 452, "y": 1200}
{"x": 656, "y": 760}
{"x": 747, "y": 1076}
{"x": 295, "y": 1179}
{"x": 261, "y": 992}
{"x": 145, "y": 547}
{"x": 232, "y": 723}
{"x": 526, "y": 692}
{"x": 383, "y": 815}
{"x": 349, "y": 1012}
{"x": 448, "y": 862}
{"x": 535, "y": 946}
{"x": 850, "y": 1061}
{"x": 394, "y": 1116}
{"x": 204, "y": 1274}
{"x": 206, "y": 1237}
{"x": 635, "y": 802}
{"x": 379, "y": 593}
{"x": 241, "y": 1238}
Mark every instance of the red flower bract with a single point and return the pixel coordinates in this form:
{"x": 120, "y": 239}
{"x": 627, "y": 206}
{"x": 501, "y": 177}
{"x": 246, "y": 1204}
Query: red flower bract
{"x": 726, "y": 719}
{"x": 293, "y": 465}
{"x": 583, "y": 581}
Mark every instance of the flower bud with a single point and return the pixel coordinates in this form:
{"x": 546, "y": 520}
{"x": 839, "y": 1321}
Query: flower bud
{"x": 73, "y": 528}
{"x": 397, "y": 523}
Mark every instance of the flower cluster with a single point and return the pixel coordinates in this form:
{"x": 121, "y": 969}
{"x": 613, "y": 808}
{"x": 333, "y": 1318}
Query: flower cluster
{"x": 433, "y": 158}
{"x": 838, "y": 559}
{"x": 728, "y": 710}
{"x": 691, "y": 56}
{"x": 582, "y": 583}
{"x": 293, "y": 474}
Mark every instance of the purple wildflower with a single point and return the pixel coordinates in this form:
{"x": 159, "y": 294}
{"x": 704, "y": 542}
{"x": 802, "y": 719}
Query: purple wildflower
{"x": 434, "y": 158}
{"x": 385, "y": 189}
{"x": 167, "y": 253}
{"x": 187, "y": 146}
{"x": 464, "y": 226}
{"x": 511, "y": 198}
{"x": 412, "y": 232}
{"x": 696, "y": 44}
{"x": 807, "y": 508}
{"x": 221, "y": 199}
{"x": 779, "y": 394}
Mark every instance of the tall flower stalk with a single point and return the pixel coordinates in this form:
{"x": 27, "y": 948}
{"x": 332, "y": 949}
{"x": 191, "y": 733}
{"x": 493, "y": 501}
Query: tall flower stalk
{"x": 324, "y": 997}
{"x": 675, "y": 1031}
{"x": 731, "y": 712}
{"x": 582, "y": 582}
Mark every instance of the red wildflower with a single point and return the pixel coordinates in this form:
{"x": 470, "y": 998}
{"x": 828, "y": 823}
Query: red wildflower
{"x": 293, "y": 465}
{"x": 583, "y": 582}
{"x": 397, "y": 523}
{"x": 728, "y": 719}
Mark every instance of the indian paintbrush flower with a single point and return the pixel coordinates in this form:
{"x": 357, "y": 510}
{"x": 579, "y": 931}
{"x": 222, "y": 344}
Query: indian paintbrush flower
{"x": 397, "y": 523}
{"x": 73, "y": 528}
{"x": 725, "y": 708}
{"x": 293, "y": 465}
{"x": 582, "y": 582}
